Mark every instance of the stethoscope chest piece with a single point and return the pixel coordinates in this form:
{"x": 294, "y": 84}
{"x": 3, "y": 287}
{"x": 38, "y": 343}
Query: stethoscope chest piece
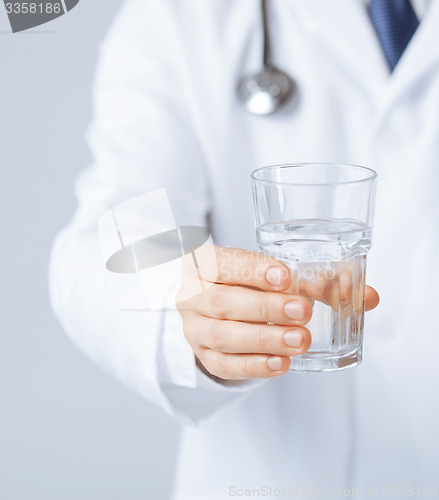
{"x": 270, "y": 89}
{"x": 265, "y": 92}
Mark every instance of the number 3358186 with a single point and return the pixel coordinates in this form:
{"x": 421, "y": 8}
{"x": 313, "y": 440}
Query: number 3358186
{"x": 33, "y": 8}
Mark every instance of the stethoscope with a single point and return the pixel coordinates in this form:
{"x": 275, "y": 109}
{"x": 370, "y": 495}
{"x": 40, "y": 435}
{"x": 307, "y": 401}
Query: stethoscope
{"x": 269, "y": 90}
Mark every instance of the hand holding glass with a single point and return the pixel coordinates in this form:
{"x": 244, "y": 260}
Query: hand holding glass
{"x": 317, "y": 219}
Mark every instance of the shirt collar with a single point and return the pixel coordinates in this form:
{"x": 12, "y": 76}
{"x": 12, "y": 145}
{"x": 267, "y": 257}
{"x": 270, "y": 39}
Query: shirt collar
{"x": 419, "y": 6}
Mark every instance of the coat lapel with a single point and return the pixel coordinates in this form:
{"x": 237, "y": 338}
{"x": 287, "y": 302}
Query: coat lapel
{"x": 344, "y": 27}
{"x": 420, "y": 57}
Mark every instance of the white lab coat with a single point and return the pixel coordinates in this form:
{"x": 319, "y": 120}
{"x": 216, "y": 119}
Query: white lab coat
{"x": 166, "y": 116}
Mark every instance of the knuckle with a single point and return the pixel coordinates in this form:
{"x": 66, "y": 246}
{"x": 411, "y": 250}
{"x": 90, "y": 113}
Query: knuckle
{"x": 184, "y": 298}
{"x": 188, "y": 332}
{"x": 249, "y": 367}
{"x": 261, "y": 339}
{"x": 219, "y": 367}
{"x": 263, "y": 307}
{"x": 216, "y": 302}
{"x": 199, "y": 354}
{"x": 207, "y": 363}
{"x": 215, "y": 337}
{"x": 191, "y": 330}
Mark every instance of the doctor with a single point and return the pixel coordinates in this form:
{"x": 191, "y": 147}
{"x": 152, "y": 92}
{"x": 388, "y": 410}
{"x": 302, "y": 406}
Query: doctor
{"x": 166, "y": 116}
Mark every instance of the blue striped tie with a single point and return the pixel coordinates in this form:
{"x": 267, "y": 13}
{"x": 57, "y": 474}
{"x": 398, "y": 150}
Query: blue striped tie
{"x": 395, "y": 22}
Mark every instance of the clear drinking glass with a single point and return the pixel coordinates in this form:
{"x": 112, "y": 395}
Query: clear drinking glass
{"x": 317, "y": 218}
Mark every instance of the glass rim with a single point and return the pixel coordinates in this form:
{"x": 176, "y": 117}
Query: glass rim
{"x": 371, "y": 177}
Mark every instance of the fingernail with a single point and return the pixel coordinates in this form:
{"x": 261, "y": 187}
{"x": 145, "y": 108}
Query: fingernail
{"x": 295, "y": 310}
{"x": 275, "y": 275}
{"x": 293, "y": 338}
{"x": 275, "y": 363}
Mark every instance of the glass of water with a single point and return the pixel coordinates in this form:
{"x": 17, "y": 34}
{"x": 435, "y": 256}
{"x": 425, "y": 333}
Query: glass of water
{"x": 317, "y": 218}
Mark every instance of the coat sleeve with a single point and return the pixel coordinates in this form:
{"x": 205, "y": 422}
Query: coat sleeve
{"x": 141, "y": 140}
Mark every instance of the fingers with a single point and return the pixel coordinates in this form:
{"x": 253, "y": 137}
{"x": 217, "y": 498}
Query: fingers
{"x": 246, "y": 304}
{"x": 334, "y": 289}
{"x": 341, "y": 285}
{"x": 241, "y": 267}
{"x": 334, "y": 286}
{"x": 372, "y": 298}
{"x": 243, "y": 366}
{"x": 237, "y": 350}
{"x": 238, "y": 337}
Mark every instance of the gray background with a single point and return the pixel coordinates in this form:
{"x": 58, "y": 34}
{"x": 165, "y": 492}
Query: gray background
{"x": 67, "y": 431}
